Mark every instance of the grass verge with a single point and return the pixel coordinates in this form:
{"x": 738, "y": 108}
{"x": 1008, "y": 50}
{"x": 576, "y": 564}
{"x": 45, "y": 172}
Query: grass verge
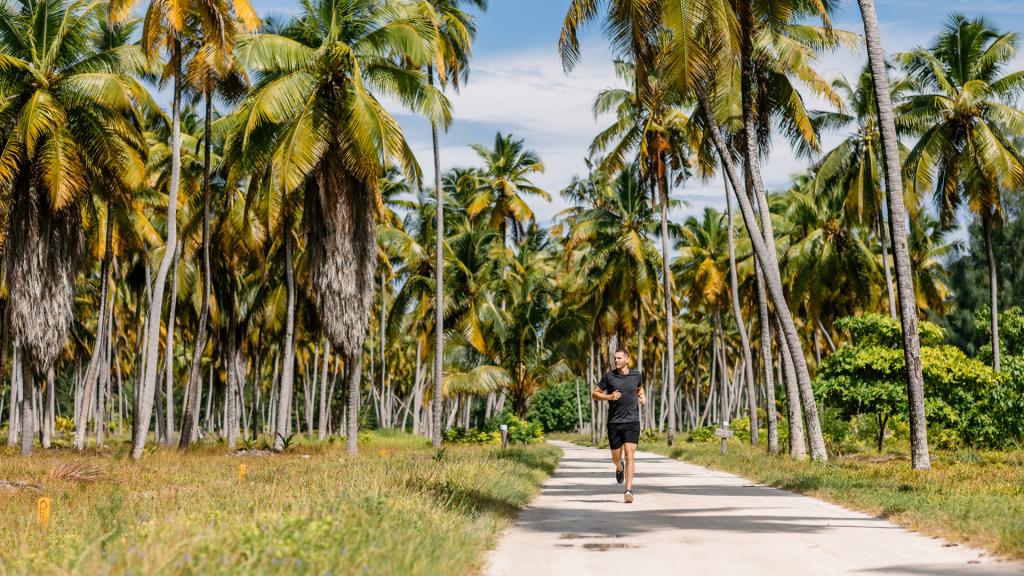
{"x": 400, "y": 507}
{"x": 976, "y": 498}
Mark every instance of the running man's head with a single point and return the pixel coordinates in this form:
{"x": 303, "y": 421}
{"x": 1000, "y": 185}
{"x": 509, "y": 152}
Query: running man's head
{"x": 621, "y": 359}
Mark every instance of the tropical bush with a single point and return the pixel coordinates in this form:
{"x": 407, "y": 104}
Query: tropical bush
{"x": 965, "y": 400}
{"x": 470, "y": 436}
{"x": 555, "y": 406}
{"x": 519, "y": 431}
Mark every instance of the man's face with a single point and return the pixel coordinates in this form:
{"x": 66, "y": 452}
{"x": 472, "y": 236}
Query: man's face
{"x": 620, "y": 360}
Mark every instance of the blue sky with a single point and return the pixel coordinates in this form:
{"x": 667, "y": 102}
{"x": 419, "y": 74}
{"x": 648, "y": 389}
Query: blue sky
{"x": 517, "y": 85}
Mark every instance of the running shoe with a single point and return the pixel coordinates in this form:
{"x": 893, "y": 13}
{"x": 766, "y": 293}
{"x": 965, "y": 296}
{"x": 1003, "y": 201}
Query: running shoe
{"x": 628, "y": 496}
{"x": 620, "y": 474}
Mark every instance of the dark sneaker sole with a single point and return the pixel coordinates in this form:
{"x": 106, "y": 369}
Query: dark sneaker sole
{"x": 620, "y": 475}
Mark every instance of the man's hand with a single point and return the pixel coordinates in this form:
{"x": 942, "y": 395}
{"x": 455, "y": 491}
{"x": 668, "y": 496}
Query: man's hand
{"x": 615, "y": 395}
{"x": 643, "y": 398}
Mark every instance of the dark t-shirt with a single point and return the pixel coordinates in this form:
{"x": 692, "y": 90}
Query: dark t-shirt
{"x": 625, "y": 410}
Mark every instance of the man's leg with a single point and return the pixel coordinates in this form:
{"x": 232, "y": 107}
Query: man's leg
{"x": 617, "y": 458}
{"x": 629, "y": 449}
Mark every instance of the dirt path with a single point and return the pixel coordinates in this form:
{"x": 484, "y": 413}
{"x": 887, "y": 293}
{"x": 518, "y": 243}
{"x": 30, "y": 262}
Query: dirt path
{"x": 691, "y": 520}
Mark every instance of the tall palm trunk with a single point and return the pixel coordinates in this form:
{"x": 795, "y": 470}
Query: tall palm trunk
{"x": 152, "y": 351}
{"x": 438, "y": 284}
{"x": 993, "y": 285}
{"x": 14, "y": 418}
{"x": 766, "y": 360}
{"x": 190, "y": 417}
{"x": 885, "y": 264}
{"x": 284, "y": 395}
{"x": 797, "y": 438}
{"x": 169, "y": 356}
{"x": 321, "y": 431}
{"x": 737, "y": 311}
{"x": 770, "y": 267}
{"x": 28, "y": 423}
{"x": 92, "y": 372}
{"x": 355, "y": 373}
{"x": 898, "y": 232}
{"x": 670, "y": 382}
{"x": 751, "y": 156}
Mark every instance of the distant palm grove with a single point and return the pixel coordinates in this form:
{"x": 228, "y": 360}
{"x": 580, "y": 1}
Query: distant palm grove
{"x": 263, "y": 257}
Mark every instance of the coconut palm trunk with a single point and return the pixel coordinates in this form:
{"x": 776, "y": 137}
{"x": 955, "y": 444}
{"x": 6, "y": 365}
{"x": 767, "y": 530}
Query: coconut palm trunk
{"x": 321, "y": 431}
{"x": 670, "y": 381}
{"x": 748, "y": 363}
{"x": 898, "y": 232}
{"x": 152, "y": 350}
{"x": 14, "y": 417}
{"x": 993, "y": 284}
{"x": 884, "y": 237}
{"x": 770, "y": 267}
{"x": 190, "y": 416}
{"x": 797, "y": 437}
{"x": 28, "y": 424}
{"x": 751, "y": 156}
{"x": 355, "y": 374}
{"x": 438, "y": 284}
{"x": 169, "y": 356}
{"x": 284, "y": 393}
{"x": 92, "y": 372}
{"x": 766, "y": 360}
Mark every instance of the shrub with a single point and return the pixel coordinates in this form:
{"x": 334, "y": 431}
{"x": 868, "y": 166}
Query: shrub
{"x": 966, "y": 401}
{"x": 519, "y": 431}
{"x": 702, "y": 434}
{"x": 555, "y": 406}
{"x": 470, "y": 436}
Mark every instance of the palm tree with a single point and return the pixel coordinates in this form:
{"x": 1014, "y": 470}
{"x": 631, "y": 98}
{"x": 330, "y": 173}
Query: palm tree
{"x": 330, "y": 151}
{"x": 70, "y": 122}
{"x": 704, "y": 57}
{"x": 930, "y": 248}
{"x": 213, "y": 71}
{"x": 168, "y": 27}
{"x": 609, "y": 255}
{"x": 967, "y": 121}
{"x": 898, "y": 233}
{"x": 504, "y": 181}
{"x": 855, "y": 163}
{"x": 455, "y": 31}
{"x": 651, "y": 121}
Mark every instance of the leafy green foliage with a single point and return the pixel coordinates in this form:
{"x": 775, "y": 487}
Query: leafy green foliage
{"x": 702, "y": 434}
{"x": 470, "y": 436}
{"x": 966, "y": 401}
{"x": 519, "y": 431}
{"x": 555, "y": 406}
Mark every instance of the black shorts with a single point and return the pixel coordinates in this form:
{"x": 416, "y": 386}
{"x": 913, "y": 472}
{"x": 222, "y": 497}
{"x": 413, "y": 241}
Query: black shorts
{"x": 623, "y": 433}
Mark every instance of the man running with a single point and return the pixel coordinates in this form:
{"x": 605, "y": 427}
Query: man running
{"x": 623, "y": 389}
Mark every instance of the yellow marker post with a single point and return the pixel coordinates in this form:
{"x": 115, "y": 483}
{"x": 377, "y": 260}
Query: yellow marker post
{"x": 43, "y": 507}
{"x": 241, "y": 472}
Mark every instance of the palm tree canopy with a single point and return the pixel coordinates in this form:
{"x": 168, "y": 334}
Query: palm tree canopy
{"x": 964, "y": 117}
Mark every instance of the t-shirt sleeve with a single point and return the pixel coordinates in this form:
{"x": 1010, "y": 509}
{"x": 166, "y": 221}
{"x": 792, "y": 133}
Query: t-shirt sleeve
{"x": 603, "y": 383}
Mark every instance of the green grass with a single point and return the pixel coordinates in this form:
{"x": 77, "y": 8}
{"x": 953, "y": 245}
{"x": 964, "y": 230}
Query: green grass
{"x": 397, "y": 508}
{"x": 970, "y": 497}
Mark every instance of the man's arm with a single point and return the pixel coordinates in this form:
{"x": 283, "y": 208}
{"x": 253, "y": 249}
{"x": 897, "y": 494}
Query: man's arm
{"x": 598, "y": 393}
{"x": 640, "y": 394}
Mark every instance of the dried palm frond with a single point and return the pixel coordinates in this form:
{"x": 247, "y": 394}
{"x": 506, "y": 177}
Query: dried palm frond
{"x": 340, "y": 229}
{"x": 78, "y": 471}
{"x": 43, "y": 252}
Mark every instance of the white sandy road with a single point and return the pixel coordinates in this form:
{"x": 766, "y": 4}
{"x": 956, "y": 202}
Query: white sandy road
{"x": 691, "y": 520}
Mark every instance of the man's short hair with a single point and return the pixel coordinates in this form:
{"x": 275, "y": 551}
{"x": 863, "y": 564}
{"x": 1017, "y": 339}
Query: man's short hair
{"x": 624, "y": 352}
